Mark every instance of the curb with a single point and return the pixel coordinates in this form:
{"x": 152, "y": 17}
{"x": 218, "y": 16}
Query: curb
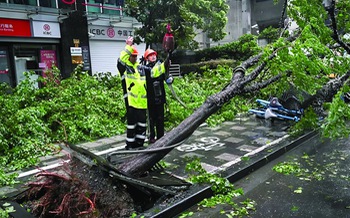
{"x": 236, "y": 174}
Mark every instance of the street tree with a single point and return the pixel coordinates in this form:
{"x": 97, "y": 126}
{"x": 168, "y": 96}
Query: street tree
{"x": 301, "y": 60}
{"x": 187, "y": 18}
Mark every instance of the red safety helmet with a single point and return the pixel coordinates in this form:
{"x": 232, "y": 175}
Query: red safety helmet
{"x": 134, "y": 52}
{"x": 149, "y": 52}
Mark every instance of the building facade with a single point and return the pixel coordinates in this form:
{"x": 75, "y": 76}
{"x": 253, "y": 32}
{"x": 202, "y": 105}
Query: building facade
{"x": 36, "y": 34}
{"x": 246, "y": 16}
{"x": 108, "y": 29}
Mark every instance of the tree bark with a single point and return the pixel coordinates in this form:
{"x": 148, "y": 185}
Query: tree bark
{"x": 238, "y": 85}
{"x": 145, "y": 161}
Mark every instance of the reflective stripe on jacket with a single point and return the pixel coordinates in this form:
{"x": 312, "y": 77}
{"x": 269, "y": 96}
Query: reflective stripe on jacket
{"x": 135, "y": 79}
{"x": 158, "y": 69}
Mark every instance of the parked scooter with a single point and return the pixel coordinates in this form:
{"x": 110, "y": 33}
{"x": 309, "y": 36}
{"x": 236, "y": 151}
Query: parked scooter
{"x": 274, "y": 109}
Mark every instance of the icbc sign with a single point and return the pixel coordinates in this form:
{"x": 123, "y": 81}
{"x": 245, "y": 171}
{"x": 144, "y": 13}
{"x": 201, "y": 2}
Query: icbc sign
{"x": 99, "y": 32}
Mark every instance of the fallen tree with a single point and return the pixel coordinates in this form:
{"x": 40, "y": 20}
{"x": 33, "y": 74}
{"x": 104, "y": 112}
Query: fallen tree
{"x": 271, "y": 66}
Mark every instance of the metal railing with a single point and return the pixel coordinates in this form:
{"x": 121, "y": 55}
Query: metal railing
{"x": 175, "y": 70}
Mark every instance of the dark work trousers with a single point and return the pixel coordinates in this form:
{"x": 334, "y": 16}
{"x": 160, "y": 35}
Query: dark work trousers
{"x": 156, "y": 121}
{"x": 136, "y": 127}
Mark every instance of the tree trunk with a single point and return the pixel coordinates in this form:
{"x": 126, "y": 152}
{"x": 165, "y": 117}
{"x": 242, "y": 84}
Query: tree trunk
{"x": 145, "y": 161}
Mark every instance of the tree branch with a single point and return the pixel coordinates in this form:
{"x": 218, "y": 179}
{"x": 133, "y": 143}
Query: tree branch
{"x": 335, "y": 36}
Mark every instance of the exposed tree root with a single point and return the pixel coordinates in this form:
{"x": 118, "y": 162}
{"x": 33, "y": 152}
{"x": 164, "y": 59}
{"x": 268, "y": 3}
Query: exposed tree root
{"x": 77, "y": 190}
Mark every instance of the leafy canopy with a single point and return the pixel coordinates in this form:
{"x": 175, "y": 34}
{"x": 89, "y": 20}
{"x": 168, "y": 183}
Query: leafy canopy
{"x": 185, "y": 16}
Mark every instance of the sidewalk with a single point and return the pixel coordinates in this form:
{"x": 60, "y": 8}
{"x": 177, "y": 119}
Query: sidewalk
{"x": 220, "y": 149}
{"x": 234, "y": 149}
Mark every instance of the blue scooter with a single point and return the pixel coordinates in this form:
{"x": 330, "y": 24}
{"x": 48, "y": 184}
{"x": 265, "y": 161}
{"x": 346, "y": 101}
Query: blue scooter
{"x": 274, "y": 109}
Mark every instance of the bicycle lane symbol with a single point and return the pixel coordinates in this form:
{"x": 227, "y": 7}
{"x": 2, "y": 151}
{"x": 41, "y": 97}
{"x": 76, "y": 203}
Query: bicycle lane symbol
{"x": 205, "y": 144}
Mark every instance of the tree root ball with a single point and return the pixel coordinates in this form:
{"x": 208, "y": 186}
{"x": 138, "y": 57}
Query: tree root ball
{"x": 77, "y": 190}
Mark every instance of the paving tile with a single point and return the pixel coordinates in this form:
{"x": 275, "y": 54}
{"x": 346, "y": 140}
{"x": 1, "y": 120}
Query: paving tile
{"x": 242, "y": 119}
{"x": 262, "y": 141}
{"x": 251, "y": 134}
{"x": 247, "y": 148}
{"x": 118, "y": 138}
{"x": 264, "y": 128}
{"x": 250, "y": 123}
{"x": 217, "y": 148}
{"x": 238, "y": 128}
{"x": 222, "y": 133}
{"x": 227, "y": 156}
{"x": 198, "y": 133}
{"x": 192, "y": 155}
{"x": 234, "y": 140}
{"x": 209, "y": 168}
{"x": 4, "y": 191}
{"x": 228, "y": 123}
{"x": 276, "y": 133}
{"x": 212, "y": 128}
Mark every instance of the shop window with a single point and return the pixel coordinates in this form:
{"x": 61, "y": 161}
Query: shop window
{"x": 94, "y": 6}
{"x": 24, "y": 2}
{"x": 4, "y": 66}
{"x": 120, "y": 3}
{"x": 115, "y": 2}
{"x": 37, "y": 58}
{"x": 110, "y": 7}
{"x": 47, "y": 3}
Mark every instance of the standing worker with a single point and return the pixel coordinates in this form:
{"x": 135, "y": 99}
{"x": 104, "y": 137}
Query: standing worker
{"x": 134, "y": 88}
{"x": 156, "y": 93}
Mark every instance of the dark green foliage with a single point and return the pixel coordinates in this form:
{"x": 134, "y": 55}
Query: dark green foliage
{"x": 83, "y": 108}
{"x": 195, "y": 88}
{"x": 270, "y": 34}
{"x": 203, "y": 66}
{"x": 240, "y": 49}
{"x": 80, "y": 108}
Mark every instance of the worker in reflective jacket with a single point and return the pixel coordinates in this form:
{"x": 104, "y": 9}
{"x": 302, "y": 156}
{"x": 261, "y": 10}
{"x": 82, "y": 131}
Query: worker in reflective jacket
{"x": 156, "y": 93}
{"x": 135, "y": 94}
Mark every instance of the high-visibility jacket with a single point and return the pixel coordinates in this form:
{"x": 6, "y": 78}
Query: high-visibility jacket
{"x": 155, "y": 85}
{"x": 135, "y": 80}
{"x": 158, "y": 70}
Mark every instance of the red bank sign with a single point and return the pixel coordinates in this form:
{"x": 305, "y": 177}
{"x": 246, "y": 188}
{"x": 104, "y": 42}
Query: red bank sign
{"x": 14, "y": 27}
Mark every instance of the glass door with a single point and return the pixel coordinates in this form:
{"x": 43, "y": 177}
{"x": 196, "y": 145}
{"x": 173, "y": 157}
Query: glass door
{"x": 4, "y": 66}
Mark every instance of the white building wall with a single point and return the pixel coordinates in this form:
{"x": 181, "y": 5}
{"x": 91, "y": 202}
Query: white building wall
{"x": 107, "y": 40}
{"x": 246, "y": 16}
{"x": 234, "y": 26}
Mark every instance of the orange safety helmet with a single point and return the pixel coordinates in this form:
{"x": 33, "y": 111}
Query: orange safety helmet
{"x": 149, "y": 52}
{"x": 134, "y": 51}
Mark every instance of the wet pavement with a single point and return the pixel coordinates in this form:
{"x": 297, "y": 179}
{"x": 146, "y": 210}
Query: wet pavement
{"x": 235, "y": 149}
{"x": 322, "y": 190}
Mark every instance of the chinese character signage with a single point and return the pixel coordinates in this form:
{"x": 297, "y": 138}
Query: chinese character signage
{"x": 77, "y": 55}
{"x": 46, "y": 29}
{"x": 86, "y": 57}
{"x": 47, "y": 59}
{"x": 110, "y": 33}
{"x": 14, "y": 27}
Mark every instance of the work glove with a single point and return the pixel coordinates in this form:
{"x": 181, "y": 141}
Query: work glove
{"x": 130, "y": 40}
{"x": 170, "y": 80}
